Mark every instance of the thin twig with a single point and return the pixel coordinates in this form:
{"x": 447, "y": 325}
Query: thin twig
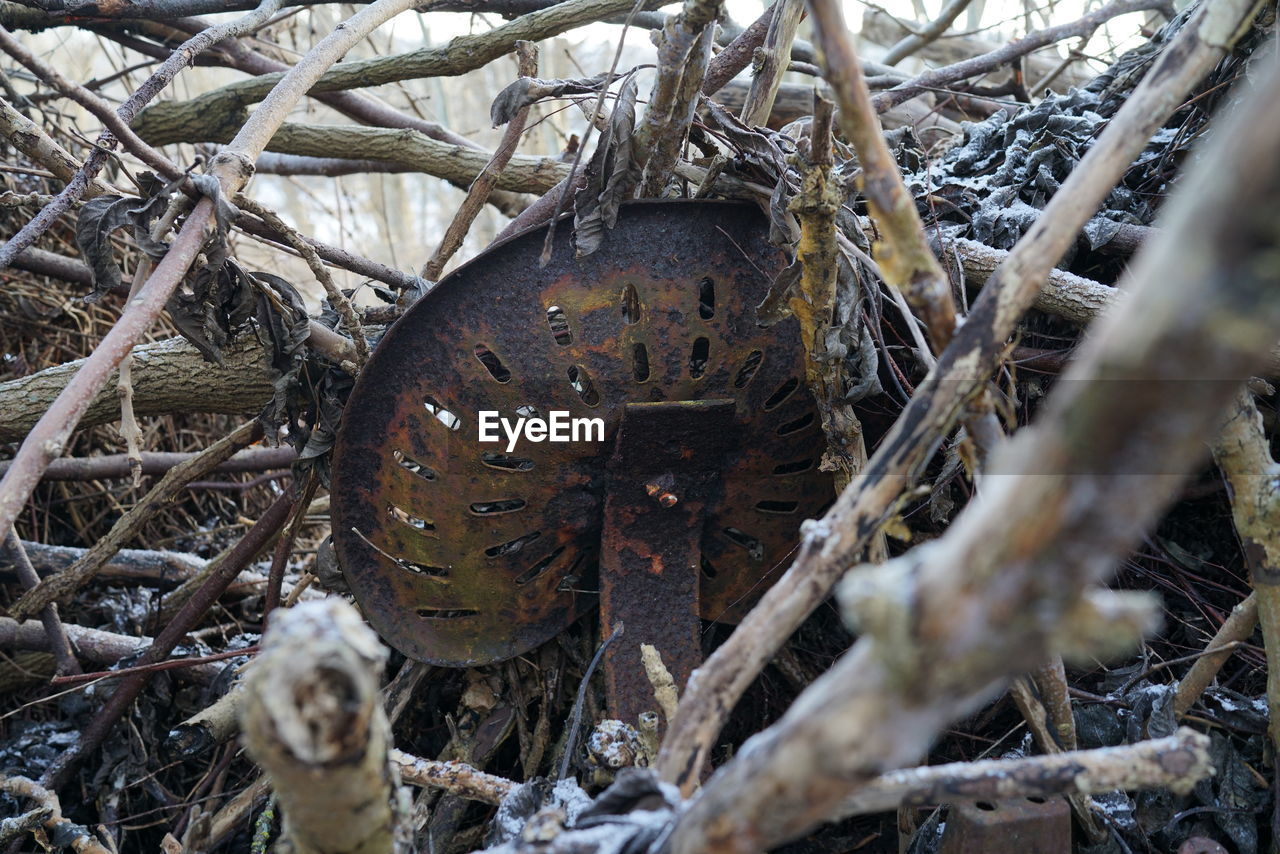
{"x": 478, "y": 193}
{"x": 341, "y": 304}
{"x": 171, "y": 664}
{"x": 83, "y": 180}
{"x": 59, "y": 644}
{"x": 232, "y": 168}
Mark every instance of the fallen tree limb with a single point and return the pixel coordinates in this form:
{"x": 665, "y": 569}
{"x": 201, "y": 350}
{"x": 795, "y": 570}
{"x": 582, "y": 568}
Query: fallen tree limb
{"x": 55, "y": 632}
{"x": 455, "y": 163}
{"x": 136, "y": 566}
{"x": 158, "y": 462}
{"x": 29, "y": 138}
{"x": 459, "y": 56}
{"x": 162, "y": 384}
{"x": 1013, "y": 580}
{"x": 1065, "y": 294}
{"x": 1174, "y": 763}
{"x": 65, "y": 583}
{"x": 92, "y": 645}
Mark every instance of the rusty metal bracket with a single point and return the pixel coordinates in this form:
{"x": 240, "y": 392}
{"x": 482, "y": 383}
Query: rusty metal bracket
{"x": 1014, "y": 826}
{"x": 664, "y": 473}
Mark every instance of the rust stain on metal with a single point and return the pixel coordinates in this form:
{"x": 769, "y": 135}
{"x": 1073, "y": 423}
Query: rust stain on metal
{"x": 460, "y": 552}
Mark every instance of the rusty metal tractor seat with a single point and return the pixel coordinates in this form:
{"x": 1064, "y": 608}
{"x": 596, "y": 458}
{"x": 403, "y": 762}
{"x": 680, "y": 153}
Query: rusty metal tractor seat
{"x": 462, "y": 552}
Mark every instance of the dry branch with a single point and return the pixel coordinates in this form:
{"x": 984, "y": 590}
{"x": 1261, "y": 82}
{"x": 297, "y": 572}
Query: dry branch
{"x": 28, "y": 137}
{"x": 1236, "y": 629}
{"x": 117, "y": 122}
{"x": 832, "y": 545}
{"x": 770, "y": 61}
{"x": 736, "y": 55}
{"x": 55, "y": 632}
{"x": 337, "y": 299}
{"x": 1013, "y": 580}
{"x": 904, "y": 256}
{"x": 1174, "y": 763}
{"x": 1064, "y": 294}
{"x": 76, "y": 837}
{"x": 459, "y": 56}
{"x": 684, "y": 50}
{"x": 913, "y": 42}
{"x": 93, "y": 735}
{"x": 159, "y": 462}
{"x": 1243, "y": 452}
{"x": 937, "y": 78}
{"x": 130, "y": 566}
{"x": 312, "y": 718}
{"x": 161, "y": 385}
{"x": 456, "y": 778}
{"x": 484, "y": 184}
{"x": 454, "y": 163}
{"x": 883, "y": 29}
{"x": 96, "y": 645}
{"x": 65, "y": 583}
{"x": 232, "y": 168}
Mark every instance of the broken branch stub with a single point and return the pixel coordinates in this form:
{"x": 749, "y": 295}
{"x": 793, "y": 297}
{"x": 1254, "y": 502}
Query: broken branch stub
{"x": 312, "y": 718}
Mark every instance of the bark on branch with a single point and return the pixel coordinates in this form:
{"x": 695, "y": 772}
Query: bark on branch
{"x": 459, "y": 56}
{"x": 312, "y": 718}
{"x": 162, "y": 384}
{"x": 1013, "y": 579}
{"x": 833, "y": 544}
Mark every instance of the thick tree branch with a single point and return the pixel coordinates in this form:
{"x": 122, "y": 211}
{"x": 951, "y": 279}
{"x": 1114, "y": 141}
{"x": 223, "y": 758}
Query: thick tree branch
{"x": 684, "y": 49}
{"x": 1013, "y": 580}
{"x": 833, "y": 544}
{"x": 461, "y": 55}
{"x": 1243, "y": 452}
{"x": 312, "y": 718}
{"x": 241, "y": 385}
{"x": 453, "y": 163}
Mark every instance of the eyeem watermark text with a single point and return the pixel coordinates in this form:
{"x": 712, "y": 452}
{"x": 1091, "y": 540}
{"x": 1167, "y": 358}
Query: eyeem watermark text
{"x": 558, "y": 426}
